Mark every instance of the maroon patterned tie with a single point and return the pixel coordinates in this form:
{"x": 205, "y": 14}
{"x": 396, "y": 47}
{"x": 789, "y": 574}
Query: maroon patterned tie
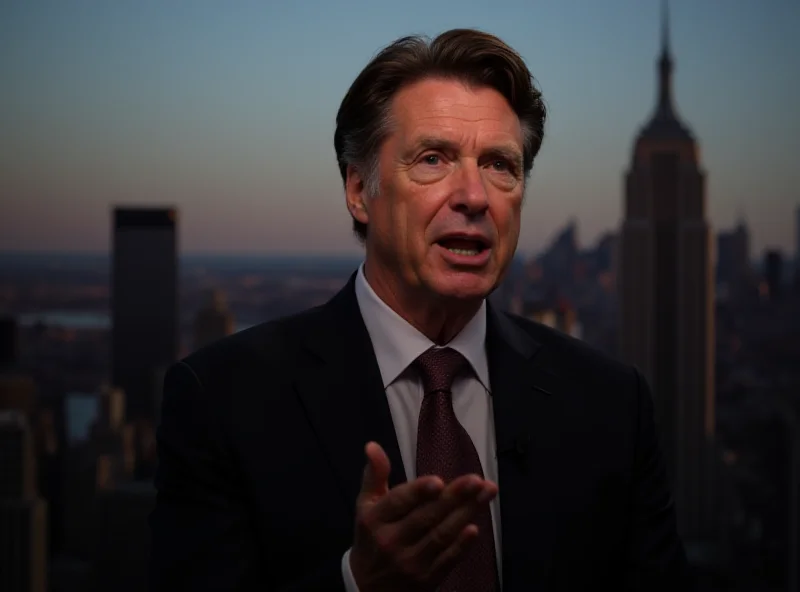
{"x": 445, "y": 449}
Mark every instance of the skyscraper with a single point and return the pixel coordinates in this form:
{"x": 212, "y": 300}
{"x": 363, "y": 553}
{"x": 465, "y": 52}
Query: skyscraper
{"x": 123, "y": 536}
{"x": 213, "y": 321}
{"x": 23, "y": 514}
{"x": 144, "y": 304}
{"x": 773, "y": 273}
{"x": 796, "y": 274}
{"x": 797, "y": 238}
{"x": 666, "y": 296}
{"x": 17, "y": 388}
{"x": 733, "y": 259}
{"x": 8, "y": 342}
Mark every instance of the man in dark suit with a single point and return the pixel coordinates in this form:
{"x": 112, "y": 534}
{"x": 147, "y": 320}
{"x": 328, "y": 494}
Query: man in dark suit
{"x": 407, "y": 435}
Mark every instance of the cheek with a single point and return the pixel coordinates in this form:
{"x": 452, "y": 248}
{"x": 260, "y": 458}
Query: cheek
{"x": 389, "y": 213}
{"x": 422, "y": 210}
{"x": 403, "y": 223}
{"x": 506, "y": 216}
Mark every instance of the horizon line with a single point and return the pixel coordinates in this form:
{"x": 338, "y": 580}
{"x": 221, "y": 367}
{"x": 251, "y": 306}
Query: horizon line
{"x": 191, "y": 253}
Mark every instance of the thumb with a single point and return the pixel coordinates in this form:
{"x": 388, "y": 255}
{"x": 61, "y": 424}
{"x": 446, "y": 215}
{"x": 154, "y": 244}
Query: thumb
{"x": 375, "y": 482}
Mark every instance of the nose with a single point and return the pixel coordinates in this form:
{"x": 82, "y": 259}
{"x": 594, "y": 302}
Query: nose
{"x": 469, "y": 196}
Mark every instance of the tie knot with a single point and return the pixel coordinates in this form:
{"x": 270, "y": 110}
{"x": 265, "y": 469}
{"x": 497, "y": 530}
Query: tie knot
{"x": 438, "y": 367}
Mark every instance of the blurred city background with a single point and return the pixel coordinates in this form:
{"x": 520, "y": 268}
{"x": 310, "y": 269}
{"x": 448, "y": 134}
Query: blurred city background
{"x": 167, "y": 177}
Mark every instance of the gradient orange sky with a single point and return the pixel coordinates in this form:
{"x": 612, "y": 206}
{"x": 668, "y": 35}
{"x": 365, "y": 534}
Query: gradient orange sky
{"x": 226, "y": 110}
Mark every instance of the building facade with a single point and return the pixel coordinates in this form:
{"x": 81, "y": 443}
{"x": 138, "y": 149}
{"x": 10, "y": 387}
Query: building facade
{"x": 144, "y": 304}
{"x": 667, "y": 297}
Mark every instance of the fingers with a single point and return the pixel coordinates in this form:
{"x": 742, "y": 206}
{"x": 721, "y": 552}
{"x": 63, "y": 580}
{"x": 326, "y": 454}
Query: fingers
{"x": 451, "y": 555}
{"x": 421, "y": 527}
{"x": 375, "y": 482}
{"x": 443, "y": 535}
{"x": 404, "y": 498}
{"x": 463, "y": 496}
{"x": 439, "y": 538}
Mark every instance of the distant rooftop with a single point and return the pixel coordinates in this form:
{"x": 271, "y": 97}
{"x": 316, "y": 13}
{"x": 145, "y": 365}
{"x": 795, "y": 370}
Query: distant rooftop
{"x": 135, "y": 217}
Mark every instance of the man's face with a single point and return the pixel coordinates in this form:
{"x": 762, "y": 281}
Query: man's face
{"x": 447, "y": 217}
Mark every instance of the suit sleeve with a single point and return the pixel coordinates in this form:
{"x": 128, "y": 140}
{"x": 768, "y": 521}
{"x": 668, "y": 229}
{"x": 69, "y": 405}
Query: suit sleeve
{"x": 656, "y": 556}
{"x": 203, "y": 534}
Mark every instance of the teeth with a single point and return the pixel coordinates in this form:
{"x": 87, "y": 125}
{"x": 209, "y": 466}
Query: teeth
{"x": 463, "y": 251}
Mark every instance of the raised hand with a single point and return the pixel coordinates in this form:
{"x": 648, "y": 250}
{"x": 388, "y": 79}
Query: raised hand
{"x": 412, "y": 535}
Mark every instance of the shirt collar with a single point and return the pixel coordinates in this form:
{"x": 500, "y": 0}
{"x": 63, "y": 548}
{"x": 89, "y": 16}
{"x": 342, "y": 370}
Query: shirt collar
{"x": 397, "y": 343}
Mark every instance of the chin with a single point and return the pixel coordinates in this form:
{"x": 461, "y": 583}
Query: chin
{"x": 463, "y": 286}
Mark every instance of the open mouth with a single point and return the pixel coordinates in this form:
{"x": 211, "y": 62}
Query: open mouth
{"x": 468, "y": 247}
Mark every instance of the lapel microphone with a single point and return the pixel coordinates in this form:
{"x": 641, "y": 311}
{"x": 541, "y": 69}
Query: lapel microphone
{"x": 516, "y": 447}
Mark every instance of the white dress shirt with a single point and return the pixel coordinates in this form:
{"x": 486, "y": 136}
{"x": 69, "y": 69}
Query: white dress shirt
{"x": 397, "y": 344}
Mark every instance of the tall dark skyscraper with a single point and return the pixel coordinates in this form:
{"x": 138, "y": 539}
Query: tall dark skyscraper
{"x": 797, "y": 238}
{"x": 8, "y": 342}
{"x": 733, "y": 259}
{"x": 773, "y": 273}
{"x": 17, "y": 389}
{"x": 666, "y": 297}
{"x": 23, "y": 514}
{"x": 144, "y": 304}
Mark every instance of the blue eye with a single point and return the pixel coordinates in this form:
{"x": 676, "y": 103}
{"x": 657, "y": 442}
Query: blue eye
{"x": 431, "y": 159}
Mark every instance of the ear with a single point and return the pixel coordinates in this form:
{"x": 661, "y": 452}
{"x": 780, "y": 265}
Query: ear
{"x": 356, "y": 195}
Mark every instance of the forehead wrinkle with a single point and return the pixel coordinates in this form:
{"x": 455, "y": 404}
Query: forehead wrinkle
{"x": 416, "y": 114}
{"x": 452, "y": 124}
{"x": 483, "y": 142}
{"x": 470, "y": 115}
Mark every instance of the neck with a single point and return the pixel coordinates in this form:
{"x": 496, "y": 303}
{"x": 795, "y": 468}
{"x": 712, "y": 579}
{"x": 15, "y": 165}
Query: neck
{"x": 439, "y": 319}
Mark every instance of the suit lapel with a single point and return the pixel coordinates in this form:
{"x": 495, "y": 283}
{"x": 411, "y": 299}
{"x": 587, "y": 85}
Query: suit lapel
{"x": 523, "y": 393}
{"x": 340, "y": 386}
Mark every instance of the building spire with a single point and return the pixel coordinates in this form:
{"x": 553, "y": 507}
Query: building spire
{"x": 664, "y": 121}
{"x": 665, "y": 109}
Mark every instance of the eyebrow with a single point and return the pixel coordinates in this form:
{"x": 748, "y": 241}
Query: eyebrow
{"x": 507, "y": 151}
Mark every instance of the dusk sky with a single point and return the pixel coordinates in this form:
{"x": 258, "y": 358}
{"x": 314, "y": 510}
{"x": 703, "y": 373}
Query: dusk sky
{"x": 226, "y": 110}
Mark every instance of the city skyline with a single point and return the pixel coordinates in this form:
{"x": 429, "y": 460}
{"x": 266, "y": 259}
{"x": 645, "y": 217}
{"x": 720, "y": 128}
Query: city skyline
{"x": 207, "y": 111}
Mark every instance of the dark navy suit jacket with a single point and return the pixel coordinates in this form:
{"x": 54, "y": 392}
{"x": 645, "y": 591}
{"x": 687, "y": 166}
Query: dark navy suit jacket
{"x": 261, "y": 453}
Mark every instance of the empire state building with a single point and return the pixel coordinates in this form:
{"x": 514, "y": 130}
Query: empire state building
{"x": 666, "y": 296}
